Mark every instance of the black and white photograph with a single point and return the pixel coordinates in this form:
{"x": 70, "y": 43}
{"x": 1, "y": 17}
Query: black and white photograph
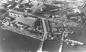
{"x": 42, "y": 26}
